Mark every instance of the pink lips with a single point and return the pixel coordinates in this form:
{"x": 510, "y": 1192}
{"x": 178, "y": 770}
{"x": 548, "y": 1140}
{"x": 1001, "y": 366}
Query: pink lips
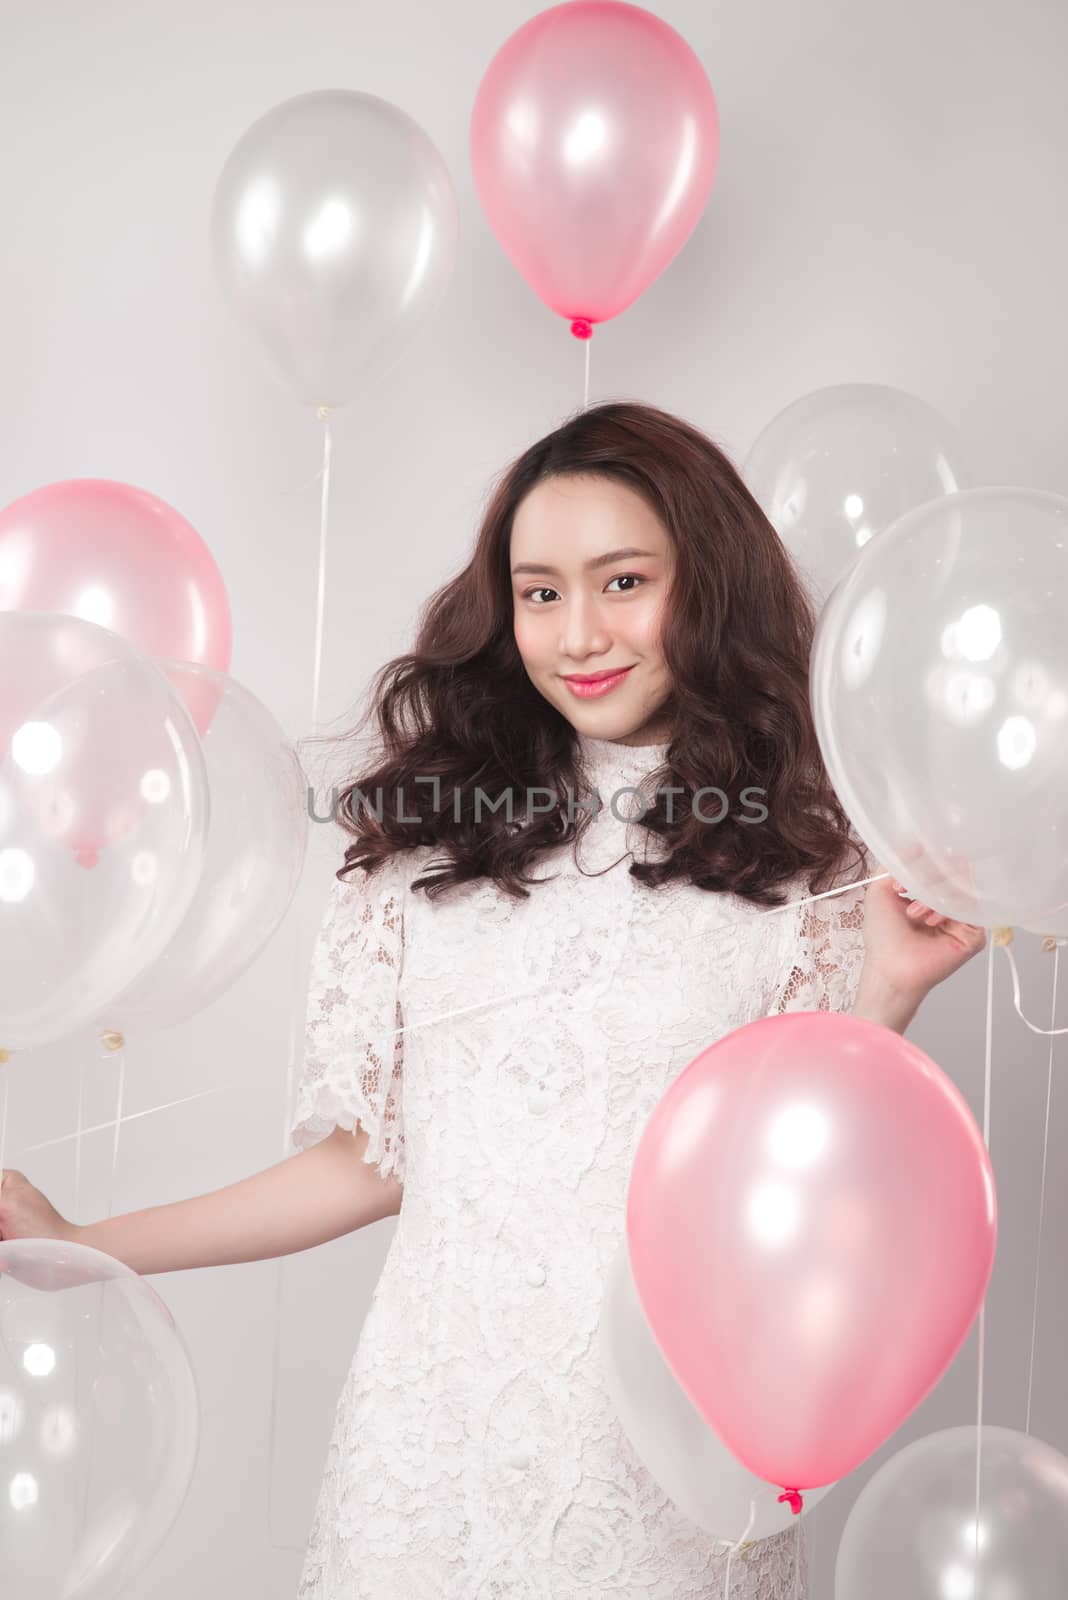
{"x": 586, "y": 688}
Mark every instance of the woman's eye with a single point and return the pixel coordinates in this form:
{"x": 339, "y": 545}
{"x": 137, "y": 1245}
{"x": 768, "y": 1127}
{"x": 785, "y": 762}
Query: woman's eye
{"x": 623, "y": 577}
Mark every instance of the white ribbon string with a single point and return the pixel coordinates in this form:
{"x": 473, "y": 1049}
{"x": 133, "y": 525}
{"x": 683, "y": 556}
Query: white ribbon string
{"x": 737, "y": 1545}
{"x": 300, "y": 487}
{"x": 987, "y": 1081}
{"x": 120, "y": 1089}
{"x": 297, "y": 978}
{"x": 130, "y": 1116}
{"x": 1042, "y": 1188}
{"x": 78, "y": 1138}
{"x": 5, "y": 1075}
{"x": 320, "y": 598}
{"x": 1046, "y": 1032}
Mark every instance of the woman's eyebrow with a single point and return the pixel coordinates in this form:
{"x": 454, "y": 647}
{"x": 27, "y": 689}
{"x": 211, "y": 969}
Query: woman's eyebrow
{"x": 597, "y": 561}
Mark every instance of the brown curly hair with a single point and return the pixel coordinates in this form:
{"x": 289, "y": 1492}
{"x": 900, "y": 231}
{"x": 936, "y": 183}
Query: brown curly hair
{"x": 736, "y": 638}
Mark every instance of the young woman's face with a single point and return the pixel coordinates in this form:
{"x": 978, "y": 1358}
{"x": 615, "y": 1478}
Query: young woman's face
{"x": 585, "y": 602}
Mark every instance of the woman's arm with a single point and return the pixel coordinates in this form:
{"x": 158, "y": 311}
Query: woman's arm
{"x": 878, "y": 1001}
{"x": 303, "y": 1200}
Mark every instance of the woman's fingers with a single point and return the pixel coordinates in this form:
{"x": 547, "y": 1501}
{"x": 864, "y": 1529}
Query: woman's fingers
{"x": 917, "y": 909}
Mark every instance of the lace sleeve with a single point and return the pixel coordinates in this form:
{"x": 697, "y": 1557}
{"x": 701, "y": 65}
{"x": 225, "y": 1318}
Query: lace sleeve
{"x": 828, "y": 955}
{"x": 353, "y": 1043}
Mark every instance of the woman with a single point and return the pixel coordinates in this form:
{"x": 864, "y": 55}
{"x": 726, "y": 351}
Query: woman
{"x": 502, "y": 995}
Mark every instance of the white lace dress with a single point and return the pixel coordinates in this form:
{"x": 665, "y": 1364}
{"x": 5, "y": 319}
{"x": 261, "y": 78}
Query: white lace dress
{"x": 475, "y": 1452}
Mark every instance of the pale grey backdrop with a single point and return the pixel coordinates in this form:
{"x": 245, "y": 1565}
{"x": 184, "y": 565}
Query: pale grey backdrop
{"x": 890, "y": 207}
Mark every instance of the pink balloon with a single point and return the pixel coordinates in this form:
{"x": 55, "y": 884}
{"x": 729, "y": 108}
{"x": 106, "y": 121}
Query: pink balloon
{"x": 811, "y": 1221}
{"x": 594, "y": 142}
{"x": 122, "y": 558}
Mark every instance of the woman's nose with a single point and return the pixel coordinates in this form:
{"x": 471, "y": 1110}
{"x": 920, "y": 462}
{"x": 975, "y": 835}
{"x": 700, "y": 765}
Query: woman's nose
{"x": 582, "y": 631}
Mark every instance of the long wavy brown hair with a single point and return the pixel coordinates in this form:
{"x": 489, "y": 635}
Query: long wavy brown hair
{"x": 736, "y": 638}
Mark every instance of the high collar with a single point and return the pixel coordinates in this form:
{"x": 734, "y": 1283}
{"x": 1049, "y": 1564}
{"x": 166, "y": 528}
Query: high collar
{"x": 609, "y": 761}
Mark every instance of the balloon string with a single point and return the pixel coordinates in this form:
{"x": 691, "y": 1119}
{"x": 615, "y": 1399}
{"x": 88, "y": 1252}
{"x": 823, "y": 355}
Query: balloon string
{"x": 131, "y": 1116}
{"x": 282, "y": 1261}
{"x": 987, "y": 1079}
{"x": 320, "y": 601}
{"x": 80, "y": 1131}
{"x": 118, "y": 1129}
{"x": 582, "y": 328}
{"x": 134, "y": 1116}
{"x": 98, "y": 1342}
{"x": 5, "y": 1075}
{"x": 297, "y": 985}
{"x": 1046, "y": 1032}
{"x": 78, "y": 1138}
{"x": 1042, "y": 1191}
{"x": 740, "y": 1544}
{"x": 737, "y": 1545}
{"x": 300, "y": 487}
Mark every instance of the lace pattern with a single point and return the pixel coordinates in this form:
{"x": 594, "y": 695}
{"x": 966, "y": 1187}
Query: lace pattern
{"x": 475, "y": 1453}
{"x": 829, "y": 954}
{"x": 353, "y": 1043}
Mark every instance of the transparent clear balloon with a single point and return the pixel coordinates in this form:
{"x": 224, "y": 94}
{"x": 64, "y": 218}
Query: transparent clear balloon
{"x": 684, "y": 1454}
{"x": 912, "y": 1529}
{"x": 104, "y": 812}
{"x": 939, "y": 688}
{"x": 837, "y": 467}
{"x": 334, "y": 228}
{"x": 99, "y": 1422}
{"x": 254, "y": 854}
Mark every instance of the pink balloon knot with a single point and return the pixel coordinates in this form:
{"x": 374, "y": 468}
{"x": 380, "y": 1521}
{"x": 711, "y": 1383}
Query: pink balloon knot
{"x": 582, "y": 328}
{"x": 794, "y": 1497}
{"x": 86, "y": 855}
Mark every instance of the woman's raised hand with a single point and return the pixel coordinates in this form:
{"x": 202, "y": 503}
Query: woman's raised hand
{"x": 25, "y": 1213}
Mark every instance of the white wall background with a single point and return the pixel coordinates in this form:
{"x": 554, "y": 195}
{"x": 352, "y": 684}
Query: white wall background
{"x": 890, "y": 207}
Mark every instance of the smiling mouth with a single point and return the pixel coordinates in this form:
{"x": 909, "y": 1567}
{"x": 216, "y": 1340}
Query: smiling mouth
{"x": 595, "y": 677}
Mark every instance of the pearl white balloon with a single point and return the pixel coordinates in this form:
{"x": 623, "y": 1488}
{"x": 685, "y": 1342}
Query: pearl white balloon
{"x": 334, "y": 228}
{"x": 689, "y": 1461}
